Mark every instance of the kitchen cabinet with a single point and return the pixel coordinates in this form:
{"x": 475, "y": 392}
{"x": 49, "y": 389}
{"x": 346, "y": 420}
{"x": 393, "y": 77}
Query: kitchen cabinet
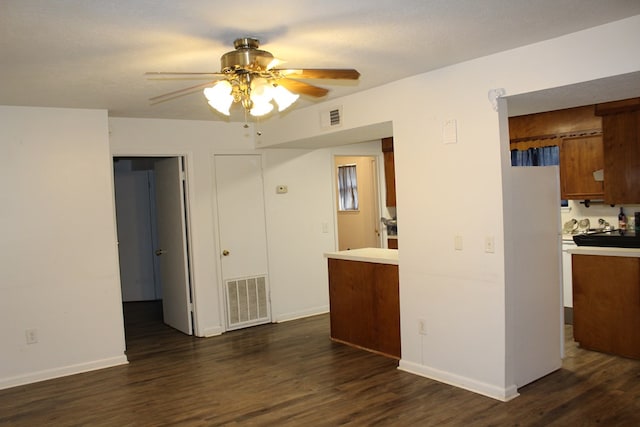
{"x": 364, "y": 301}
{"x": 606, "y": 303}
{"x": 545, "y": 128}
{"x": 580, "y": 156}
{"x": 389, "y": 171}
{"x": 392, "y": 243}
{"x": 621, "y": 137}
{"x": 578, "y": 134}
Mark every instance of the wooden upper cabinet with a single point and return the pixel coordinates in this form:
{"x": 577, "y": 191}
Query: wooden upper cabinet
{"x": 579, "y": 158}
{"x": 621, "y": 133}
{"x": 550, "y": 125}
{"x": 389, "y": 170}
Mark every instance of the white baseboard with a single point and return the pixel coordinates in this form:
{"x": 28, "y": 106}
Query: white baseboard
{"x": 63, "y": 371}
{"x": 212, "y": 332}
{"x": 301, "y": 314}
{"x": 489, "y": 390}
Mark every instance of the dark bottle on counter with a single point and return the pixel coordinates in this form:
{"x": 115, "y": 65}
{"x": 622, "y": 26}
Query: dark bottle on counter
{"x": 622, "y": 220}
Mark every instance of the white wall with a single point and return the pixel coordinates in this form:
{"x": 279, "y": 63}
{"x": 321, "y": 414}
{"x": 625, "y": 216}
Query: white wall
{"x": 197, "y": 141}
{"x": 59, "y": 270}
{"x": 444, "y": 190}
{"x": 296, "y": 241}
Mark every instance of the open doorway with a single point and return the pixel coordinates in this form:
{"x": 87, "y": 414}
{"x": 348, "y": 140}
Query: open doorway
{"x": 152, "y": 224}
{"x": 358, "y": 202}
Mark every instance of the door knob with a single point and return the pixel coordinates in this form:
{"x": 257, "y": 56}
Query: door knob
{"x": 160, "y": 252}
{"x": 225, "y": 253}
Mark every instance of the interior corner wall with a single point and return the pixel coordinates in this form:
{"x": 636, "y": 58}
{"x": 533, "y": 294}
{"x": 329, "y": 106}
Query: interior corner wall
{"x": 301, "y": 225}
{"x": 295, "y": 238}
{"x": 59, "y": 276}
{"x": 447, "y": 190}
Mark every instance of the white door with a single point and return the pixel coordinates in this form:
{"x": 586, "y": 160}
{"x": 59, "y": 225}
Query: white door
{"x": 135, "y": 236}
{"x": 172, "y": 244}
{"x": 243, "y": 238}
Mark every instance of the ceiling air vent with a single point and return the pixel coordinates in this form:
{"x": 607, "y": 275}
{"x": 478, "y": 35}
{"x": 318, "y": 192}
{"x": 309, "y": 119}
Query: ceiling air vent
{"x": 331, "y": 117}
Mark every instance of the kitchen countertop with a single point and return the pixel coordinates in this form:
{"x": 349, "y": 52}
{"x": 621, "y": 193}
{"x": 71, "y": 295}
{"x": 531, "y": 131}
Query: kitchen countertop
{"x": 378, "y": 255}
{"x": 605, "y": 251}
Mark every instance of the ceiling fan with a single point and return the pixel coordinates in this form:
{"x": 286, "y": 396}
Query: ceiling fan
{"x": 249, "y": 76}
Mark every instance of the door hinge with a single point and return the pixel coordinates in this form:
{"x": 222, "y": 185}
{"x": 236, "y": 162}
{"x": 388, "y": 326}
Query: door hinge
{"x": 191, "y": 307}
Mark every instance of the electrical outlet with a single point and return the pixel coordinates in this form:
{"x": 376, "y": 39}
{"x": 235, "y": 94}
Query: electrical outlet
{"x": 422, "y": 327}
{"x": 31, "y": 336}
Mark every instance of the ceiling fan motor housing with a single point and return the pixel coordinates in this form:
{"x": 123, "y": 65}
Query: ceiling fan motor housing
{"x": 246, "y": 56}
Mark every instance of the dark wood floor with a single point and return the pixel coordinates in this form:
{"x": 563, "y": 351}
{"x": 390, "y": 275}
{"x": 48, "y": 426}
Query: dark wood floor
{"x": 292, "y": 374}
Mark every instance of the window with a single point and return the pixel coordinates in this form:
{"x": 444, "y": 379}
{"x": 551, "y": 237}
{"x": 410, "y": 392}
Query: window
{"x": 348, "y": 188}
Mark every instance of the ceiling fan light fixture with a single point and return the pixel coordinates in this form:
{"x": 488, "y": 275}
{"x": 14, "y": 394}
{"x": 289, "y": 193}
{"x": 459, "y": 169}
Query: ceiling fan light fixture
{"x": 283, "y": 97}
{"x": 219, "y": 96}
{"x": 261, "y": 90}
{"x": 248, "y": 76}
{"x": 261, "y": 108}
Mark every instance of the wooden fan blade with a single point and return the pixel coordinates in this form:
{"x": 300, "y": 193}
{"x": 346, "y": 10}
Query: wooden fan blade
{"x": 303, "y": 88}
{"x": 177, "y": 73}
{"x": 179, "y": 92}
{"x": 320, "y": 73}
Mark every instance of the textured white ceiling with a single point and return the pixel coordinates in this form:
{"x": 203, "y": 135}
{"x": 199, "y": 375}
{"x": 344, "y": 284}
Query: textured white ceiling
{"x": 93, "y": 53}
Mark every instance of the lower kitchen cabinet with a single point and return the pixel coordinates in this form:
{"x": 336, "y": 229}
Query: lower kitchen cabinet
{"x": 365, "y": 305}
{"x": 606, "y": 304}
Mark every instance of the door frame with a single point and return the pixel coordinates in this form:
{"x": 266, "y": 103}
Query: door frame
{"x": 379, "y": 175}
{"x": 187, "y": 162}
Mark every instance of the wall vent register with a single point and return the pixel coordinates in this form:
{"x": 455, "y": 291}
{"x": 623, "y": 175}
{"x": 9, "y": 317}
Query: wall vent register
{"x": 247, "y": 303}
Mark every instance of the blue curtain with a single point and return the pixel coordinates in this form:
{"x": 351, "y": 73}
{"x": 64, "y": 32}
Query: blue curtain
{"x": 543, "y": 156}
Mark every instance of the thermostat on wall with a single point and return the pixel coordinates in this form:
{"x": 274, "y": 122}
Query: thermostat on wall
{"x": 281, "y": 189}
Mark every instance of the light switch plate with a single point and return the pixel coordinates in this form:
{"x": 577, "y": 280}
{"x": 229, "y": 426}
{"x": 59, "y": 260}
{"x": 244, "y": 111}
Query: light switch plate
{"x": 457, "y": 243}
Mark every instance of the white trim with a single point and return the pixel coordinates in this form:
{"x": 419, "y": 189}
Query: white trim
{"x": 489, "y": 390}
{"x": 64, "y": 371}
{"x": 286, "y": 317}
{"x": 213, "y": 332}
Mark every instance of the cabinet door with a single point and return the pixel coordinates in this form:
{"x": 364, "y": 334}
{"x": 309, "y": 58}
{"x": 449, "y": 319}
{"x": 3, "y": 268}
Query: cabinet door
{"x": 365, "y": 305}
{"x": 579, "y": 158}
{"x": 606, "y": 304}
{"x": 622, "y": 157}
{"x": 392, "y": 243}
